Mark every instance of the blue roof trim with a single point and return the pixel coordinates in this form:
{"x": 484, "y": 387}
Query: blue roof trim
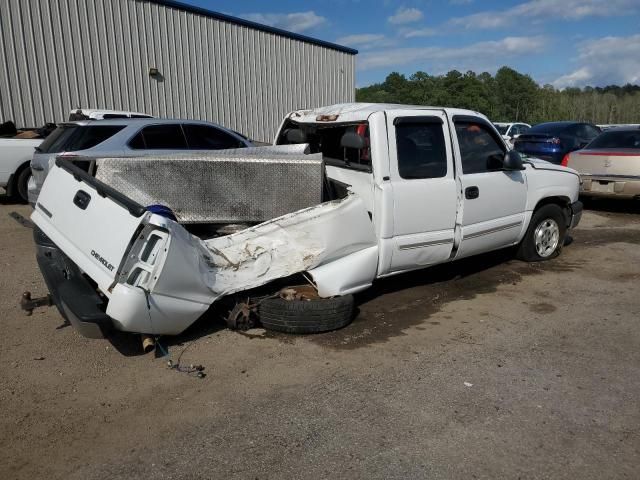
{"x": 250, "y": 24}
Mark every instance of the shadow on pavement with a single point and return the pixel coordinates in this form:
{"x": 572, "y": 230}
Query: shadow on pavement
{"x": 130, "y": 345}
{"x": 8, "y": 200}
{"x": 611, "y": 205}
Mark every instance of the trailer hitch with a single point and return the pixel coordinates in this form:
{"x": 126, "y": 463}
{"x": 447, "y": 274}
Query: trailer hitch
{"x": 28, "y": 304}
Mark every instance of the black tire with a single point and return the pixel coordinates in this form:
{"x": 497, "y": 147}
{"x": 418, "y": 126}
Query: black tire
{"x": 542, "y": 217}
{"x": 20, "y": 190}
{"x": 306, "y": 316}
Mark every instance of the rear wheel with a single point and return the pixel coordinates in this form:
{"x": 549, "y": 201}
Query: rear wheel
{"x": 20, "y": 190}
{"x": 545, "y": 236}
{"x": 300, "y": 310}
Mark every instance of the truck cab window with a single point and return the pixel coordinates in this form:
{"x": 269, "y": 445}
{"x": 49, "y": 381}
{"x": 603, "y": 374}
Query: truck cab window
{"x": 480, "y": 151}
{"x": 326, "y": 139}
{"x": 421, "y": 150}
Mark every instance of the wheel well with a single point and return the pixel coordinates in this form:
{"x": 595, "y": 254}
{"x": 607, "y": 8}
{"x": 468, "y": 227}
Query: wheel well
{"x": 14, "y": 178}
{"x": 562, "y": 202}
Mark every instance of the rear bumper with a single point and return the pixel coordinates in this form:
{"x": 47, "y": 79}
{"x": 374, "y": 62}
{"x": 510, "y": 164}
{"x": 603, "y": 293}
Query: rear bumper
{"x": 575, "y": 212}
{"x": 611, "y": 187}
{"x": 74, "y": 296}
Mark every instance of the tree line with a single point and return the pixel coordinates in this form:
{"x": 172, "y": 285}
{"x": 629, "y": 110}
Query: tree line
{"x": 508, "y": 96}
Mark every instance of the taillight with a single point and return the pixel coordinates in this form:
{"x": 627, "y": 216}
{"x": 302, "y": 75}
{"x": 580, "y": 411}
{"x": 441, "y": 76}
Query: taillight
{"x": 565, "y": 161}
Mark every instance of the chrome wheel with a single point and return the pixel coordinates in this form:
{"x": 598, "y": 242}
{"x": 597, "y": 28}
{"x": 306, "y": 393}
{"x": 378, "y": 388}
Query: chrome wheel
{"x": 546, "y": 237}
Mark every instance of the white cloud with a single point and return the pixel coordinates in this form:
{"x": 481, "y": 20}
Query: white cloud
{"x": 605, "y": 61}
{"x": 418, "y": 32}
{"x": 405, "y": 15}
{"x": 537, "y": 10}
{"x": 579, "y": 77}
{"x": 294, "y": 22}
{"x": 440, "y": 59}
{"x": 360, "y": 39}
{"x": 366, "y": 40}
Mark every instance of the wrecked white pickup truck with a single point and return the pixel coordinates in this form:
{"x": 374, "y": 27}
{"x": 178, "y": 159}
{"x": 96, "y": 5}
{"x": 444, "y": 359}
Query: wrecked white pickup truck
{"x": 379, "y": 190}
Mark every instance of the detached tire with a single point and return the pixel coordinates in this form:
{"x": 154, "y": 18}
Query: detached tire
{"x": 545, "y": 236}
{"x": 306, "y": 316}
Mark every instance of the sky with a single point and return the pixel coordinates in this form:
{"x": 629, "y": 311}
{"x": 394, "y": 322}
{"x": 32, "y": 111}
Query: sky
{"x": 565, "y": 43}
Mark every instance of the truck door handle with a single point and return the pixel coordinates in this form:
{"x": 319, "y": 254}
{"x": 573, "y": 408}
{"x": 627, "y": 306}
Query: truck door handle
{"x": 471, "y": 192}
{"x": 82, "y": 199}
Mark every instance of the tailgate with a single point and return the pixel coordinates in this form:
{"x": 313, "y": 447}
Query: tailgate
{"x": 89, "y": 221}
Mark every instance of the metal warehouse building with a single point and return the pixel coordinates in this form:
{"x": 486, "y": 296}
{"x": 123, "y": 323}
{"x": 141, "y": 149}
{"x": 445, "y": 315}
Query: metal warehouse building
{"x": 56, "y": 55}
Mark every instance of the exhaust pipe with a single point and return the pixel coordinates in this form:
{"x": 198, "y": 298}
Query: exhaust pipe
{"x": 148, "y": 343}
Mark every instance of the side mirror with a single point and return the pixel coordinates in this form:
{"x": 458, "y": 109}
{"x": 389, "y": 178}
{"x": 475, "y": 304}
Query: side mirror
{"x": 512, "y": 161}
{"x": 353, "y": 140}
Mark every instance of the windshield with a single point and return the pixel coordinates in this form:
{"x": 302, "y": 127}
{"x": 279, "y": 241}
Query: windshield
{"x": 617, "y": 139}
{"x": 57, "y": 138}
{"x": 72, "y": 138}
{"x": 502, "y": 129}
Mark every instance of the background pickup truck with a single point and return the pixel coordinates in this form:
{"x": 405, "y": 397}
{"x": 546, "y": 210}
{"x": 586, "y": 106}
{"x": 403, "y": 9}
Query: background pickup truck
{"x": 16, "y": 151}
{"x": 404, "y": 188}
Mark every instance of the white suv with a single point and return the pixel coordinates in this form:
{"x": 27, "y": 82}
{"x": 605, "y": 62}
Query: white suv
{"x": 511, "y": 131}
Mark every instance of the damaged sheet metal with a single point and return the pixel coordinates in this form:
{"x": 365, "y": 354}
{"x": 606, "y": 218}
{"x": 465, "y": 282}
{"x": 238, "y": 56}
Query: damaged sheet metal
{"x": 290, "y": 244}
{"x": 248, "y": 185}
{"x": 195, "y": 273}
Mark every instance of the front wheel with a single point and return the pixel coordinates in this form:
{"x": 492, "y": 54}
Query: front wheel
{"x": 545, "y": 236}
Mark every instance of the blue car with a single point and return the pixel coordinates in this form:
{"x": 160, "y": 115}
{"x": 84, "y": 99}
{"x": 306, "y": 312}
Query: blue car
{"x": 553, "y": 140}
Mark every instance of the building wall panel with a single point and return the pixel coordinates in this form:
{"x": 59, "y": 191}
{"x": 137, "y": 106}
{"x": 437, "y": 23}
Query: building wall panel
{"x": 61, "y": 54}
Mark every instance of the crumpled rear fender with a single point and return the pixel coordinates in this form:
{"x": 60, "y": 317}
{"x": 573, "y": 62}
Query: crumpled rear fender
{"x": 333, "y": 233}
{"x": 334, "y": 241}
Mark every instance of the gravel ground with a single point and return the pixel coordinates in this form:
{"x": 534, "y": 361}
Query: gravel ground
{"x": 485, "y": 368}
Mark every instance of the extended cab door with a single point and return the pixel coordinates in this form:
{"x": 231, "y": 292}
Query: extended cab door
{"x": 494, "y": 201}
{"x": 423, "y": 190}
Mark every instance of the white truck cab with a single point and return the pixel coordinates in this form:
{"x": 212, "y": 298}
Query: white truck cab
{"x": 407, "y": 187}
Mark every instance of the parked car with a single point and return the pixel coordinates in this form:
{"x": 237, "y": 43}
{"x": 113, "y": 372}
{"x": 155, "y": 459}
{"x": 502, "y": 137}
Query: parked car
{"x": 511, "y": 131}
{"x": 101, "y": 114}
{"x": 127, "y": 268}
{"x": 610, "y": 164}
{"x": 128, "y": 137}
{"x": 609, "y": 126}
{"x": 16, "y": 151}
{"x": 552, "y": 141}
